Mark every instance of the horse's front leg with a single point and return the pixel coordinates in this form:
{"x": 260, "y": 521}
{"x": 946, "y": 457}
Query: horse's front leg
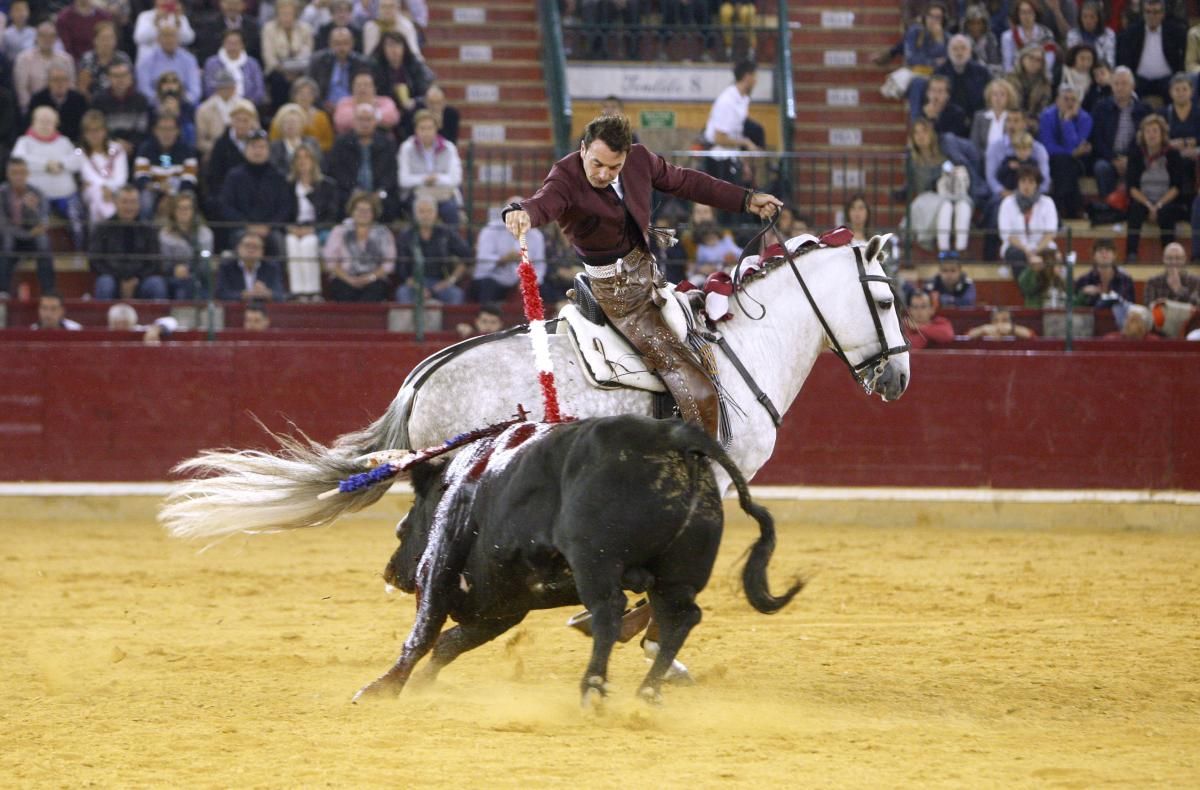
{"x": 431, "y": 616}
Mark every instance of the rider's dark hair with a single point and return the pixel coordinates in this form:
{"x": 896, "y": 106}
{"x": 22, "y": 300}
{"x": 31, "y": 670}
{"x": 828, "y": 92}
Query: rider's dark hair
{"x": 612, "y": 130}
{"x": 742, "y": 68}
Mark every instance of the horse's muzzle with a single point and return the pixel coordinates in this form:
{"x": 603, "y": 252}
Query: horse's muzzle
{"x": 892, "y": 382}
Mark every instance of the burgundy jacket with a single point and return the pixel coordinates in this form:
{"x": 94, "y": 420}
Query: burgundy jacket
{"x": 593, "y": 220}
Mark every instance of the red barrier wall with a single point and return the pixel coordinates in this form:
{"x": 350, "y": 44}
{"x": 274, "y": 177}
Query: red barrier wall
{"x": 85, "y": 411}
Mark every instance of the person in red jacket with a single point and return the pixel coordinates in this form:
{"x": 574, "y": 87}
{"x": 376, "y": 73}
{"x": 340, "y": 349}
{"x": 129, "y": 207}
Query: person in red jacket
{"x": 925, "y": 328}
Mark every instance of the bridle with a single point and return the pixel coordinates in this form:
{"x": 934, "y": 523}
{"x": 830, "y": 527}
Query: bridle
{"x": 868, "y": 372}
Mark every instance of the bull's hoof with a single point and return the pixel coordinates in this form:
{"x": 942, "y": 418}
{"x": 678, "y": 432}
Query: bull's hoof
{"x": 375, "y": 690}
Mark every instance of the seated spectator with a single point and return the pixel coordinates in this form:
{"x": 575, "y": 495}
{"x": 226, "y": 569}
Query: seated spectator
{"x": 228, "y": 152}
{"x": 987, "y": 126}
{"x": 735, "y": 15}
{"x": 31, "y": 71}
{"x": 19, "y": 35}
{"x": 149, "y": 24}
{"x": 333, "y": 68}
{"x": 364, "y": 160}
{"x": 316, "y": 210}
{"x": 360, "y": 253}
{"x": 1001, "y": 326}
{"x": 399, "y": 74}
{"x": 1077, "y": 69}
{"x": 1105, "y": 278}
{"x": 68, "y": 103}
{"x": 856, "y": 215}
{"x": 1114, "y": 126}
{"x": 186, "y": 244}
{"x": 53, "y": 165}
{"x": 560, "y": 278}
{"x": 232, "y": 16}
{"x": 76, "y": 27}
{"x": 247, "y": 277}
{"x": 95, "y": 63}
{"x": 1153, "y": 47}
{"x": 1028, "y": 222}
{"x": 317, "y": 14}
{"x": 1175, "y": 283}
{"x": 1042, "y": 282}
{"x": 1092, "y": 30}
{"x": 947, "y": 118}
{"x": 445, "y": 115}
{"x": 700, "y": 214}
{"x": 682, "y": 17}
{"x": 489, "y": 319}
{"x": 942, "y": 206}
{"x": 255, "y": 318}
{"x": 213, "y": 116}
{"x": 123, "y": 318}
{"x": 715, "y": 252}
{"x": 967, "y": 79}
{"x": 287, "y": 48}
{"x": 168, "y": 55}
{"x": 124, "y": 254}
{"x": 430, "y": 166}
{"x": 341, "y": 15}
{"x": 23, "y": 223}
{"x": 389, "y": 19}
{"x": 438, "y": 251}
{"x": 985, "y": 46}
{"x": 104, "y": 168}
{"x": 924, "y": 50}
{"x": 1101, "y": 87}
{"x": 1022, "y": 155}
{"x": 291, "y": 120}
{"x": 497, "y": 255}
{"x": 1064, "y": 129}
{"x": 246, "y": 71}
{"x": 953, "y": 286}
{"x": 1183, "y": 125}
{"x": 925, "y": 328}
{"x": 1032, "y": 80}
{"x": 165, "y": 165}
{"x": 316, "y": 122}
{"x": 1024, "y": 31}
{"x": 1156, "y": 176}
{"x": 169, "y": 103}
{"x": 1138, "y": 324}
{"x": 256, "y": 195}
{"x": 363, "y": 92}
{"x": 126, "y": 109}
{"x": 52, "y": 315}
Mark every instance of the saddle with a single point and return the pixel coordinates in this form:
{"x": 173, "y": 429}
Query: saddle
{"x": 606, "y": 357}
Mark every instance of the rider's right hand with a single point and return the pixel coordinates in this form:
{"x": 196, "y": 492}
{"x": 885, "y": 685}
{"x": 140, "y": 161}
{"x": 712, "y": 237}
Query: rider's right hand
{"x": 517, "y": 222}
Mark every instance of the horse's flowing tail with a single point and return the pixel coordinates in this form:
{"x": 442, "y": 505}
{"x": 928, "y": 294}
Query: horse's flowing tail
{"x": 253, "y": 491}
{"x": 754, "y": 575}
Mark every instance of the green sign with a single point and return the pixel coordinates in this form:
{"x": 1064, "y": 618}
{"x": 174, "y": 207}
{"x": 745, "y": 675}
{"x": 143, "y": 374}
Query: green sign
{"x": 658, "y": 119}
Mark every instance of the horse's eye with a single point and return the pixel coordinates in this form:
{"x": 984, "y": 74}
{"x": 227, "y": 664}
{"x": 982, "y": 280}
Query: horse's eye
{"x": 884, "y": 304}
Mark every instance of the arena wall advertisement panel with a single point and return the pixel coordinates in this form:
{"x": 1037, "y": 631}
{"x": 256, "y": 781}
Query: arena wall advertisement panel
{"x": 1094, "y": 420}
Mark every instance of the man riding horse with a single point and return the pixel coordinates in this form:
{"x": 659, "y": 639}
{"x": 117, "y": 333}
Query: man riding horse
{"x": 600, "y": 197}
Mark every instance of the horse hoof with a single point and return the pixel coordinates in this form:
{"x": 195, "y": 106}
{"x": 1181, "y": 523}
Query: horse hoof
{"x": 594, "y": 692}
{"x": 678, "y": 674}
{"x": 650, "y": 696}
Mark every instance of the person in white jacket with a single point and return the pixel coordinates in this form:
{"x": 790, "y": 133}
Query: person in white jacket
{"x": 1028, "y": 221}
{"x": 54, "y": 163}
{"x": 104, "y": 167}
{"x": 429, "y": 165}
{"x": 145, "y": 30}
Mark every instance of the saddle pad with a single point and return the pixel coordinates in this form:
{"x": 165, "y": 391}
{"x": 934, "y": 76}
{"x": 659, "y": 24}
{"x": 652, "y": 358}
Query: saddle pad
{"x": 605, "y": 355}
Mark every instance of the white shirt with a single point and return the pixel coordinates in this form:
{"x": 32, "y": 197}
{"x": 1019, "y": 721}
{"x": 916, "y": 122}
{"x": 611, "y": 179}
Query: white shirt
{"x": 1042, "y": 220}
{"x": 1153, "y": 65}
{"x": 728, "y": 115}
{"x": 620, "y": 190}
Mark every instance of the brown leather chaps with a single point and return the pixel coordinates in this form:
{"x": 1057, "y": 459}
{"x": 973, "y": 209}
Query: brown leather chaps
{"x": 627, "y": 298}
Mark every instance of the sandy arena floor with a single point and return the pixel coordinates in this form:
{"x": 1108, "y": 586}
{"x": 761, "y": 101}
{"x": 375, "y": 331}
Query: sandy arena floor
{"x": 920, "y": 656}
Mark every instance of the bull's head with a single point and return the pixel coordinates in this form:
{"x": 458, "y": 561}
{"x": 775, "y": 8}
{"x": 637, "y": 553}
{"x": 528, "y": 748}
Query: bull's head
{"x": 413, "y": 530}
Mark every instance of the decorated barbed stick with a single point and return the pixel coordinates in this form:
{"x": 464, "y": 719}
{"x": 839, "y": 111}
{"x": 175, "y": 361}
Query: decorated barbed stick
{"x": 535, "y": 313}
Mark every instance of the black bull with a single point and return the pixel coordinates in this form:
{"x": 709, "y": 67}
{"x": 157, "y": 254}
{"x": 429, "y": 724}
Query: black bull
{"x": 577, "y": 514}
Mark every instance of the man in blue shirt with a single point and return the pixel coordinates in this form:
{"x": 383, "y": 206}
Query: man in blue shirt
{"x": 334, "y": 68}
{"x": 168, "y": 56}
{"x": 1064, "y": 129}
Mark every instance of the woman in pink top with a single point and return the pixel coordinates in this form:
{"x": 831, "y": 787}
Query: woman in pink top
{"x": 362, "y": 91}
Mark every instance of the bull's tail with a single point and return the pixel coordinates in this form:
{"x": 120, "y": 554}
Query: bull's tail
{"x": 252, "y": 491}
{"x": 754, "y": 574}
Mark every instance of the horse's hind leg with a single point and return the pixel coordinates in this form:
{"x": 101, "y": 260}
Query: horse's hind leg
{"x": 677, "y": 614}
{"x": 460, "y": 639}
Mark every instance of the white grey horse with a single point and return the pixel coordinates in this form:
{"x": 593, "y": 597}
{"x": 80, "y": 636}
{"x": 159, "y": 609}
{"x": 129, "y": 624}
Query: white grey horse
{"x": 786, "y": 314}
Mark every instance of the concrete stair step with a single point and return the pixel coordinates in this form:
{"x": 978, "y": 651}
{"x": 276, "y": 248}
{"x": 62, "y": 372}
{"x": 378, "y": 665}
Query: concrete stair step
{"x": 512, "y": 91}
{"x": 443, "y": 13}
{"x": 496, "y": 71}
{"x": 527, "y": 53}
{"x": 508, "y": 32}
{"x": 811, "y": 17}
{"x": 848, "y": 116}
{"x": 879, "y": 36}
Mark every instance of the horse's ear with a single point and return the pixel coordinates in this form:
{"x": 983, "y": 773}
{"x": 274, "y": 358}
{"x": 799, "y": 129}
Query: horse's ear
{"x": 876, "y": 245}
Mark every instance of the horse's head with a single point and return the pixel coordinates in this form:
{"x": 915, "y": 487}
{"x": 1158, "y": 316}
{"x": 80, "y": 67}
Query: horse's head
{"x": 862, "y": 316}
